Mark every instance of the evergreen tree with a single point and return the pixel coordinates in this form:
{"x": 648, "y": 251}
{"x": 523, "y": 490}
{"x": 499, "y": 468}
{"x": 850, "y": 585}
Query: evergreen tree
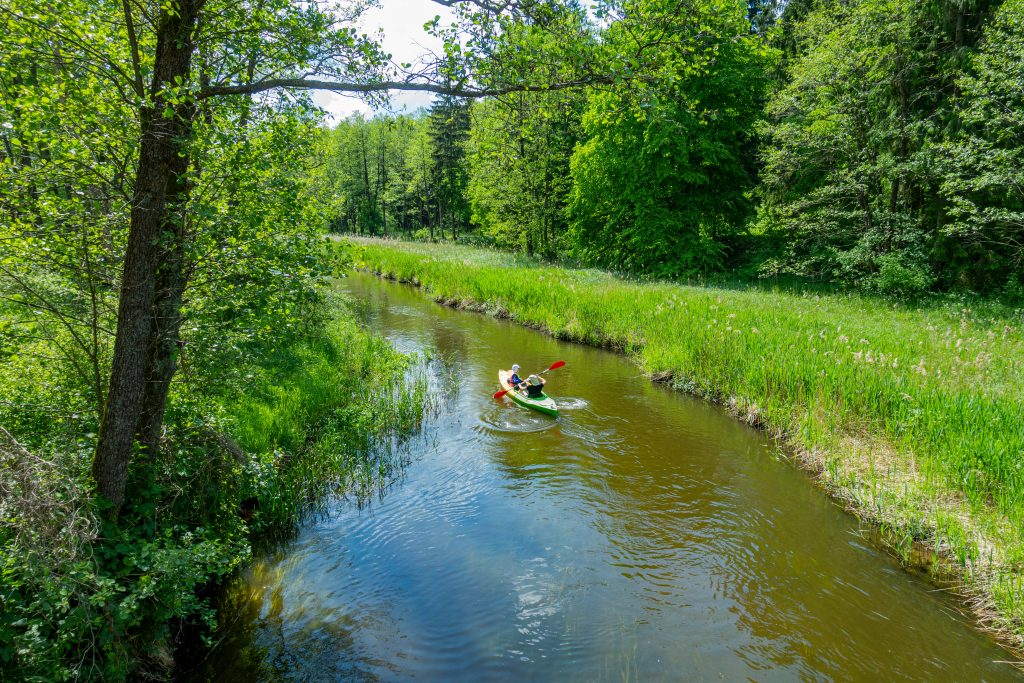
{"x": 449, "y": 130}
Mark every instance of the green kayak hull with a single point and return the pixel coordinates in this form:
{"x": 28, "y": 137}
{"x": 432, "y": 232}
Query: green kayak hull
{"x": 542, "y": 403}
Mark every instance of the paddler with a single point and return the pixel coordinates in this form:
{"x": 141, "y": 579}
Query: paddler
{"x": 534, "y": 386}
{"x": 514, "y": 380}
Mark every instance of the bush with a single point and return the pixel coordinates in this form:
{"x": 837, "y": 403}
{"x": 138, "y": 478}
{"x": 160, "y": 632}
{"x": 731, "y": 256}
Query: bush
{"x": 83, "y": 600}
{"x": 900, "y": 276}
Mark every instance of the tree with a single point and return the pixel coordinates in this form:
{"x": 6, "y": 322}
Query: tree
{"x": 181, "y": 62}
{"x": 851, "y": 178}
{"x": 449, "y": 129}
{"x": 519, "y": 179}
{"x": 984, "y": 166}
{"x": 266, "y": 40}
{"x": 665, "y": 169}
{"x": 367, "y": 177}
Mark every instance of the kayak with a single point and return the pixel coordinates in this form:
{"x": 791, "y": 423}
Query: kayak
{"x": 543, "y": 403}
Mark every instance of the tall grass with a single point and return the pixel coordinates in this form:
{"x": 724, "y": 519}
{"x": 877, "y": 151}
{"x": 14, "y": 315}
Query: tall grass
{"x": 326, "y": 415}
{"x": 916, "y": 413}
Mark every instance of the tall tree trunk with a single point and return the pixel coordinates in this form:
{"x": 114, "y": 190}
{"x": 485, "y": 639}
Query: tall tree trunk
{"x": 171, "y": 279}
{"x": 161, "y": 152}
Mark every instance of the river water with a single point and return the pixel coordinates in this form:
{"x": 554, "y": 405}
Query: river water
{"x": 642, "y": 535}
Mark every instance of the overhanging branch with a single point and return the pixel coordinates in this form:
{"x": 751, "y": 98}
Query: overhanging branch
{"x": 381, "y": 86}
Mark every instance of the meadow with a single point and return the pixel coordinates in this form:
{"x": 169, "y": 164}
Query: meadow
{"x": 911, "y": 415}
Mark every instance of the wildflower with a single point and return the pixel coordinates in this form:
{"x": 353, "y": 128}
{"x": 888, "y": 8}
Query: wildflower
{"x": 753, "y": 330}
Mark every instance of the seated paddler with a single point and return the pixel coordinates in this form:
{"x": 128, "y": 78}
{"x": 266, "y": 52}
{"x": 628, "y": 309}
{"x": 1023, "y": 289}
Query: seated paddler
{"x": 534, "y": 386}
{"x": 514, "y": 380}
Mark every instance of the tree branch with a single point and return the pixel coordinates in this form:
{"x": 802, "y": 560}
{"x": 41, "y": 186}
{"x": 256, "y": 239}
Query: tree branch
{"x": 381, "y": 86}
{"x": 133, "y": 43}
{"x": 493, "y": 7}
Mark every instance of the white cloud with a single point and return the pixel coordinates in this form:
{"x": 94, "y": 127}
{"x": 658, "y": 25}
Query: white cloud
{"x": 401, "y": 23}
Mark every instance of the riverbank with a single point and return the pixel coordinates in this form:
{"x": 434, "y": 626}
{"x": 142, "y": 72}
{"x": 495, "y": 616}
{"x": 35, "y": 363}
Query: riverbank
{"x": 255, "y": 439}
{"x": 912, "y": 417}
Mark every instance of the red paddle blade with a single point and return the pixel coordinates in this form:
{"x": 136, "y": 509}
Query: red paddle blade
{"x": 501, "y": 393}
{"x": 557, "y": 364}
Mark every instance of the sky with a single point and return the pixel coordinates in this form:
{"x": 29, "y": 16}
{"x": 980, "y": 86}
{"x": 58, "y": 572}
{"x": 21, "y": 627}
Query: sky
{"x": 402, "y": 24}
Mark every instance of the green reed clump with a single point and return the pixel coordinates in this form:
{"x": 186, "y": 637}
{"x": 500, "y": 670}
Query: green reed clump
{"x": 939, "y": 386}
{"x": 323, "y": 416}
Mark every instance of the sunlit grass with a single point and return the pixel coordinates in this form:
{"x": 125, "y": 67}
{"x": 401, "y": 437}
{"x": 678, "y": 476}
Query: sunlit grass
{"x": 327, "y": 415}
{"x": 917, "y": 414}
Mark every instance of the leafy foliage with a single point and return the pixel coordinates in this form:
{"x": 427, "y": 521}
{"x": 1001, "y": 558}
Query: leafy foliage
{"x": 852, "y": 171}
{"x": 984, "y": 176}
{"x": 238, "y": 260}
{"x": 665, "y": 168}
{"x": 519, "y": 179}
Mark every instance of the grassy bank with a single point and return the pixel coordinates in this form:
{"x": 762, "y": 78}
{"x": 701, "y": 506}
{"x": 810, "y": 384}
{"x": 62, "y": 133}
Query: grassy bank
{"x": 253, "y": 442}
{"x": 913, "y": 416}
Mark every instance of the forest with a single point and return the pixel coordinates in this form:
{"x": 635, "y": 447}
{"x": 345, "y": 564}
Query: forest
{"x": 179, "y": 378}
{"x": 874, "y": 145}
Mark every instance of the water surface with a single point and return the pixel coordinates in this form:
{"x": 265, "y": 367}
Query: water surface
{"x": 643, "y": 535}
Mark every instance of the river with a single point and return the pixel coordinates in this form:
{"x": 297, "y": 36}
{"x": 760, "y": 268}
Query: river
{"x": 642, "y": 535}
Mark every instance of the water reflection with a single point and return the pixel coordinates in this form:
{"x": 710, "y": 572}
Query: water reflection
{"x": 642, "y": 535}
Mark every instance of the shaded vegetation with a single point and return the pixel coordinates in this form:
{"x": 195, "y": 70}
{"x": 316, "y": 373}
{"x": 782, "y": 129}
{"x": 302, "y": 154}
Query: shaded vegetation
{"x": 295, "y": 422}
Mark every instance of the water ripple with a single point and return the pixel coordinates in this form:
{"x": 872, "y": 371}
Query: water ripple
{"x": 639, "y": 536}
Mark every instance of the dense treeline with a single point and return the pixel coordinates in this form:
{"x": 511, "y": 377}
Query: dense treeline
{"x": 876, "y": 144}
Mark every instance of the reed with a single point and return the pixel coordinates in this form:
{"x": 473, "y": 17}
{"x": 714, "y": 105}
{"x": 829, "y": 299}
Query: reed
{"x": 329, "y": 414}
{"x": 913, "y": 415}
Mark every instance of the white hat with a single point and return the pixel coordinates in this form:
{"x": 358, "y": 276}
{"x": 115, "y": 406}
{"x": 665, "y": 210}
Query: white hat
{"x": 515, "y": 366}
{"x": 534, "y": 380}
